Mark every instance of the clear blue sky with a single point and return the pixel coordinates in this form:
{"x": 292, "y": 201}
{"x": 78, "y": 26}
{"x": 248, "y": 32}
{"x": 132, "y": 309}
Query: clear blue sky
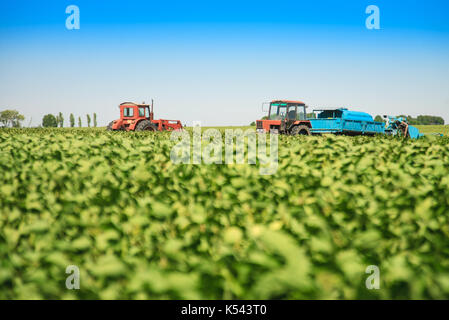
{"x": 217, "y": 61}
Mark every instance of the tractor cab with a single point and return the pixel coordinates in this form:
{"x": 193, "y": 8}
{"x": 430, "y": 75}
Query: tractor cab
{"x": 285, "y": 116}
{"x": 132, "y": 111}
{"x": 287, "y": 111}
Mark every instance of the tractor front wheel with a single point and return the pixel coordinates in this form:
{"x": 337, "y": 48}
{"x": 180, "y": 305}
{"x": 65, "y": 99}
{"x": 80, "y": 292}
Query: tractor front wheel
{"x": 300, "y": 130}
{"x": 146, "y": 125}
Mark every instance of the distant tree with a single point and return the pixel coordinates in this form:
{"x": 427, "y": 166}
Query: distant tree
{"x": 60, "y": 120}
{"x": 311, "y": 116}
{"x": 424, "y": 120}
{"x": 378, "y": 118}
{"x": 95, "y": 120}
{"x": 11, "y": 118}
{"x": 79, "y": 122}
{"x": 72, "y": 120}
{"x": 16, "y": 124}
{"x": 430, "y": 120}
{"x": 264, "y": 118}
{"x": 252, "y": 124}
{"x": 88, "y": 120}
{"x": 408, "y": 118}
{"x": 412, "y": 120}
{"x": 49, "y": 120}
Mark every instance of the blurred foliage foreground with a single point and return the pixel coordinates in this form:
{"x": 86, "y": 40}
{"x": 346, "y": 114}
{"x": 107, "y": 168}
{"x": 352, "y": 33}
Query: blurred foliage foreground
{"x": 139, "y": 226}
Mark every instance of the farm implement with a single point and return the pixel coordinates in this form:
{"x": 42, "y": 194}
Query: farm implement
{"x": 346, "y": 122}
{"x": 290, "y": 117}
{"x": 139, "y": 117}
{"x": 399, "y": 126}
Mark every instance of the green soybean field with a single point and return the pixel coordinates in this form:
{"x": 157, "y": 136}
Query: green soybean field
{"x": 139, "y": 226}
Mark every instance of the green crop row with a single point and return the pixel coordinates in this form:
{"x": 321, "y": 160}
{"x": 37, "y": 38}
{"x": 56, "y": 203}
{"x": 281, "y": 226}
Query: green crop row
{"x": 139, "y": 226}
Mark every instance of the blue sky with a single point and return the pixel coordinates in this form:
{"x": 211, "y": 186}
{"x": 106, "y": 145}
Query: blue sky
{"x": 217, "y": 61}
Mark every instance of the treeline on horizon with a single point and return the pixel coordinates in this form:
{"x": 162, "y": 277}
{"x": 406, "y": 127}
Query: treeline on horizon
{"x": 13, "y": 119}
{"x": 425, "y": 120}
{"x": 419, "y": 120}
{"x": 50, "y": 120}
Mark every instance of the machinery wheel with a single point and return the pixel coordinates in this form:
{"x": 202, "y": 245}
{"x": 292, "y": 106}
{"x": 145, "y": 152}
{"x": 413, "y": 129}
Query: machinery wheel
{"x": 300, "y": 130}
{"x": 146, "y": 125}
{"x": 109, "y": 127}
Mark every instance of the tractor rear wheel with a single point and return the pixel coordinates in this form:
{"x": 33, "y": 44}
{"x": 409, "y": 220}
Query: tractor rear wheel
{"x": 300, "y": 130}
{"x": 146, "y": 125}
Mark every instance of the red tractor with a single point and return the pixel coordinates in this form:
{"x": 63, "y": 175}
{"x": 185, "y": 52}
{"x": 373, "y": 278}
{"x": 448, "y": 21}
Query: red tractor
{"x": 139, "y": 117}
{"x": 286, "y": 117}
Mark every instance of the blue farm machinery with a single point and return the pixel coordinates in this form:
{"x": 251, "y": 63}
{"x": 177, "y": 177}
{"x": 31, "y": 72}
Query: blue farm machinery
{"x": 290, "y": 117}
{"x": 346, "y": 122}
{"x": 399, "y": 126}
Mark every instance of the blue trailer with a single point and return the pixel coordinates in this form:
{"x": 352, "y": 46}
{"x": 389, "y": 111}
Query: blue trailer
{"x": 355, "y": 123}
{"x": 344, "y": 121}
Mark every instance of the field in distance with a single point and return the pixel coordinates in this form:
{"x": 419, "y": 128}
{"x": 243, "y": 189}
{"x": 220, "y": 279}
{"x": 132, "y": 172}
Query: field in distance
{"x": 434, "y": 129}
